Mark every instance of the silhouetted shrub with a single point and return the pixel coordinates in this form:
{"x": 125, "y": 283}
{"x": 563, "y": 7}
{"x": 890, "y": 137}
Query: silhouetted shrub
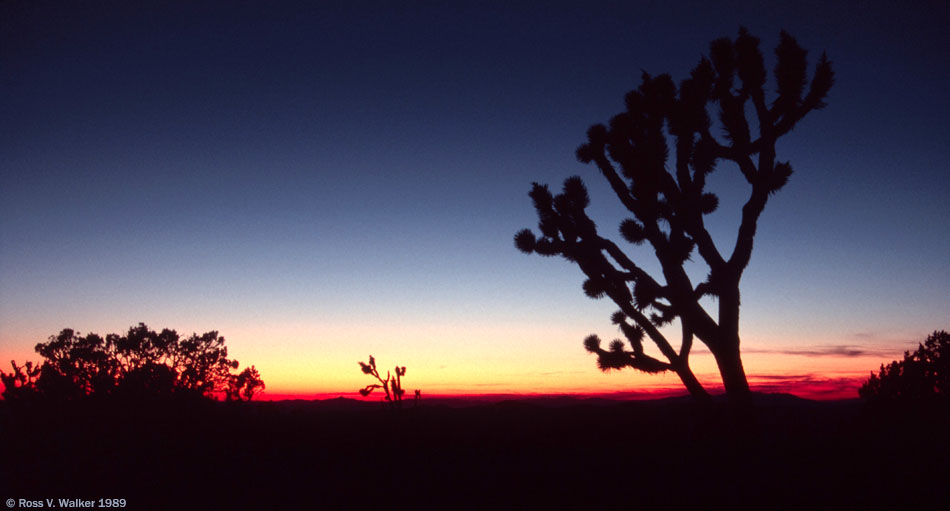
{"x": 140, "y": 363}
{"x": 921, "y": 375}
{"x": 243, "y": 386}
{"x": 21, "y": 383}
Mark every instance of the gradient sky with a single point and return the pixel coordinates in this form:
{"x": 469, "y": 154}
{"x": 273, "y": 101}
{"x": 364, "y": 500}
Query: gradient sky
{"x": 319, "y": 181}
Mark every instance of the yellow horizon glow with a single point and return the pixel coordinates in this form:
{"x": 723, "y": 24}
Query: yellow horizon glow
{"x": 452, "y": 359}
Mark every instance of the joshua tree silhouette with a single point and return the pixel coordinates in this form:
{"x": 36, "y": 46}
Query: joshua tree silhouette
{"x": 392, "y": 385}
{"x": 668, "y": 204}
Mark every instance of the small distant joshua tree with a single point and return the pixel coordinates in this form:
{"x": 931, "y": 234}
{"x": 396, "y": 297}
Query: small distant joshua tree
{"x": 392, "y": 384}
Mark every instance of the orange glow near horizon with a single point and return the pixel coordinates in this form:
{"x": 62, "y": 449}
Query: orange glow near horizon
{"x": 842, "y": 385}
{"x": 483, "y": 360}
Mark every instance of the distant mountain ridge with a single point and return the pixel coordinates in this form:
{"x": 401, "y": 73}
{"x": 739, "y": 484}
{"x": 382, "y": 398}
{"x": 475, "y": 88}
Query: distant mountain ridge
{"x": 342, "y": 403}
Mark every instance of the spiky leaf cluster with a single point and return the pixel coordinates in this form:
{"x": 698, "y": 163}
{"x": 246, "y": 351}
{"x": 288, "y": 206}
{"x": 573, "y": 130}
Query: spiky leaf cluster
{"x": 617, "y": 357}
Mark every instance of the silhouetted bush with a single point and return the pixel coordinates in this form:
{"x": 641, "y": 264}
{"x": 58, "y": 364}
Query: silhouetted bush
{"x": 141, "y": 363}
{"x": 243, "y": 386}
{"x": 21, "y": 383}
{"x": 921, "y": 375}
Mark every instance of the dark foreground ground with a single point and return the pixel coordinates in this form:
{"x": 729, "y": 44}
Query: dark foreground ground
{"x": 786, "y": 453}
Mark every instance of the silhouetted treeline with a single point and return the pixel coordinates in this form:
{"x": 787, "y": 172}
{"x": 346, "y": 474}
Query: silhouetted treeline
{"x": 141, "y": 363}
{"x": 921, "y": 375}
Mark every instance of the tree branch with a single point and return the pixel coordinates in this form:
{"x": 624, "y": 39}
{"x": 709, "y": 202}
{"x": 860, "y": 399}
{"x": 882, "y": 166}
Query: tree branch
{"x": 750, "y": 216}
{"x": 625, "y": 262}
{"x": 618, "y": 185}
{"x": 687, "y": 344}
{"x": 664, "y": 345}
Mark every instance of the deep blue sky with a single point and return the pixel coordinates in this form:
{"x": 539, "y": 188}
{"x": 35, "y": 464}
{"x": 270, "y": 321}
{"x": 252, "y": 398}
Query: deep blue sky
{"x": 321, "y": 179}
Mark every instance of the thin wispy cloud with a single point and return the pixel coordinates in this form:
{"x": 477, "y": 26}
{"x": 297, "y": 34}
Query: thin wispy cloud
{"x": 840, "y": 385}
{"x": 837, "y": 350}
{"x": 784, "y": 377}
{"x": 808, "y": 385}
{"x": 559, "y": 373}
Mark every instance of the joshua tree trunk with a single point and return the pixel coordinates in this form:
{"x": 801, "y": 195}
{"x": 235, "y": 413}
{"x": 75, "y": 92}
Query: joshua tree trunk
{"x": 691, "y": 383}
{"x": 731, "y": 371}
{"x": 725, "y": 348}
